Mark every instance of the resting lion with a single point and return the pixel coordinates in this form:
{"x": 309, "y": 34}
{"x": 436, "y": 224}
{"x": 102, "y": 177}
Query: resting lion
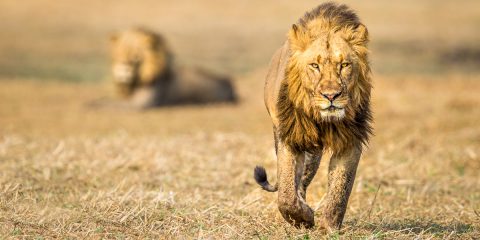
{"x": 144, "y": 74}
{"x": 317, "y": 93}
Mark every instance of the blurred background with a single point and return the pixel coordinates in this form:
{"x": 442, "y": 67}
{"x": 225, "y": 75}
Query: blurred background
{"x": 235, "y": 37}
{"x": 186, "y": 170}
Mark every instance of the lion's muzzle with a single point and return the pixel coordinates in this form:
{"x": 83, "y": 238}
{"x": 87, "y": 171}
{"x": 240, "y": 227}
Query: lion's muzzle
{"x": 332, "y": 104}
{"x": 331, "y": 95}
{"x": 123, "y": 73}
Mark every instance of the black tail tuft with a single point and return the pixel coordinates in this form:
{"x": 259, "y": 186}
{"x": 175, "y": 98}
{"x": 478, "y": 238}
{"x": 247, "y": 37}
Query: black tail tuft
{"x": 260, "y": 176}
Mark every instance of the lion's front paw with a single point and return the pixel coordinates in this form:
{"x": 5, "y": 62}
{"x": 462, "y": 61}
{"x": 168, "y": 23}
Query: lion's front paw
{"x": 299, "y": 216}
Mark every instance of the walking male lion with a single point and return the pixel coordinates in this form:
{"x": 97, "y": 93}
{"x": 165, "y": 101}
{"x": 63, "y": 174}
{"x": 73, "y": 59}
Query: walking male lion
{"x": 317, "y": 93}
{"x": 144, "y": 74}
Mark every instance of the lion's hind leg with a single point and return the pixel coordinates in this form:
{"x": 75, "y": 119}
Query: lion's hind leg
{"x": 312, "y": 162}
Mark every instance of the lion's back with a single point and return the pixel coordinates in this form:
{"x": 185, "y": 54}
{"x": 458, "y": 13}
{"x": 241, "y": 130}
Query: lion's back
{"x": 273, "y": 80}
{"x": 195, "y": 85}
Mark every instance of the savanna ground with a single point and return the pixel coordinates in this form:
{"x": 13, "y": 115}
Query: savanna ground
{"x": 67, "y": 171}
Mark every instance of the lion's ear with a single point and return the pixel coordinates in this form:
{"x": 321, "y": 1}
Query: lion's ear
{"x": 156, "y": 41}
{"x": 153, "y": 41}
{"x": 361, "y": 34}
{"x": 298, "y": 38}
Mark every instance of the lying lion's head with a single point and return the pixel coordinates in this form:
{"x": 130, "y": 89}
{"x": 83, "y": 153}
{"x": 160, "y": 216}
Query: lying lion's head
{"x": 328, "y": 67}
{"x": 139, "y": 57}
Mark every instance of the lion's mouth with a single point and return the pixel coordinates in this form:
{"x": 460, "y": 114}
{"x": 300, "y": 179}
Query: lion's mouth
{"x": 333, "y": 108}
{"x": 332, "y": 113}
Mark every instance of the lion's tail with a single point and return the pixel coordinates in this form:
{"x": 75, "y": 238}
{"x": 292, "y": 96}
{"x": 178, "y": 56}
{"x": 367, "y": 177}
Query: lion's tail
{"x": 260, "y": 176}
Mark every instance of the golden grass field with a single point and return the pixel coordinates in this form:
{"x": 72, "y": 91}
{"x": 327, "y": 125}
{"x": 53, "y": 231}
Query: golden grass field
{"x": 185, "y": 172}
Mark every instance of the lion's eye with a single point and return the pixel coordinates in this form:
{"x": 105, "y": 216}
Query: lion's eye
{"x": 344, "y": 65}
{"x": 314, "y": 65}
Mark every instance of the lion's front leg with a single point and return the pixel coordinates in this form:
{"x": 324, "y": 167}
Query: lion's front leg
{"x": 291, "y": 204}
{"x": 341, "y": 175}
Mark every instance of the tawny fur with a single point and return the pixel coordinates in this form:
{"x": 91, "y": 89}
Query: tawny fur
{"x": 317, "y": 93}
{"x": 144, "y": 74}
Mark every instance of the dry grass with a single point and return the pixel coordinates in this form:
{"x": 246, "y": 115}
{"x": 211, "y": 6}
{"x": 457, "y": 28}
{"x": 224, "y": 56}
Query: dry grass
{"x": 67, "y": 171}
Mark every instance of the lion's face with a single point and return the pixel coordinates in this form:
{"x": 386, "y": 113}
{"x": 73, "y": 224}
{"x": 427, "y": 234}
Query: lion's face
{"x": 126, "y": 60}
{"x": 328, "y": 68}
{"x": 138, "y": 58}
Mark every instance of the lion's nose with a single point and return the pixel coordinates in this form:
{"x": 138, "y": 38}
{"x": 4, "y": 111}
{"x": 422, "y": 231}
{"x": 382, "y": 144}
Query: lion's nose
{"x": 331, "y": 95}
